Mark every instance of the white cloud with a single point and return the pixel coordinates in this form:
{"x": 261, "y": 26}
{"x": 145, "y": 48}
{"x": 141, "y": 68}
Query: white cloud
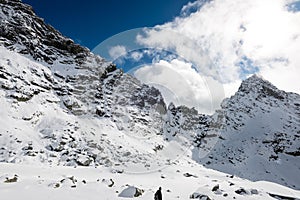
{"x": 191, "y": 7}
{"x": 117, "y": 51}
{"x": 222, "y": 33}
{"x": 136, "y": 56}
{"x": 180, "y": 84}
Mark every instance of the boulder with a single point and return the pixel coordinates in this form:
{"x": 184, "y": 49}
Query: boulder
{"x": 131, "y": 192}
{"x": 197, "y": 195}
{"x": 83, "y": 160}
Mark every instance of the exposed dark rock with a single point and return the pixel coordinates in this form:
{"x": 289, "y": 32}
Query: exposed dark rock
{"x": 24, "y": 28}
{"x": 215, "y": 188}
{"x": 11, "y": 180}
{"x": 197, "y": 195}
{"x": 241, "y": 191}
{"x": 293, "y": 153}
{"x": 139, "y": 192}
{"x": 189, "y": 175}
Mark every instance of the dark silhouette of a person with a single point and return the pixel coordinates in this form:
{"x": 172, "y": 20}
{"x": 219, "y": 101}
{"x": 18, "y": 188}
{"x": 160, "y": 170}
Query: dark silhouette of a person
{"x": 158, "y": 195}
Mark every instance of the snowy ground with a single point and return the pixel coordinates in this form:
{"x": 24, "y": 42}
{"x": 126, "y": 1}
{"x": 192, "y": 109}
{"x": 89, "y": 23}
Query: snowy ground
{"x": 178, "y": 181}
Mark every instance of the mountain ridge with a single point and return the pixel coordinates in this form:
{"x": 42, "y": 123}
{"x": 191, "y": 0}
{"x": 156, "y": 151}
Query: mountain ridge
{"x": 261, "y": 131}
{"x": 63, "y": 105}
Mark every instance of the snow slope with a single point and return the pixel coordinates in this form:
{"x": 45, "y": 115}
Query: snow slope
{"x": 184, "y": 180}
{"x": 37, "y": 127}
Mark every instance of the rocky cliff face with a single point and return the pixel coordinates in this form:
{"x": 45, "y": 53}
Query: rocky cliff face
{"x": 40, "y": 66}
{"x": 83, "y": 81}
{"x": 21, "y": 30}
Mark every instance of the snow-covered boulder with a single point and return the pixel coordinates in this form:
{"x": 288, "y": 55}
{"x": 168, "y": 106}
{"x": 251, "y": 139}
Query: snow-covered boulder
{"x": 84, "y": 160}
{"x": 131, "y": 191}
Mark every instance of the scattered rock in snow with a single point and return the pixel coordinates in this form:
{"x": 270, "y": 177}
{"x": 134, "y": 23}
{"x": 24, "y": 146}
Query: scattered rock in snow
{"x": 197, "y": 195}
{"x": 189, "y": 175}
{"x": 254, "y": 191}
{"x": 84, "y": 160}
{"x": 117, "y": 171}
{"x": 215, "y": 188}
{"x": 11, "y": 180}
{"x": 69, "y": 181}
{"x": 242, "y": 191}
{"x": 131, "y": 192}
{"x": 158, "y": 148}
{"x": 71, "y": 102}
{"x": 108, "y": 182}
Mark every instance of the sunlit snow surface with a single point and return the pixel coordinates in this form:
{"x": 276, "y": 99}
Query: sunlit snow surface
{"x": 43, "y": 182}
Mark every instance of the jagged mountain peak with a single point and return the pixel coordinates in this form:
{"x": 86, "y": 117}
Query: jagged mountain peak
{"x": 256, "y": 96}
{"x": 256, "y": 90}
{"x": 257, "y": 84}
{"x": 23, "y": 31}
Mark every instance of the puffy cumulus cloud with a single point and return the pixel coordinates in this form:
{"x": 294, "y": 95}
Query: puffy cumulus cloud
{"x": 230, "y": 39}
{"x": 117, "y": 51}
{"x": 180, "y": 83}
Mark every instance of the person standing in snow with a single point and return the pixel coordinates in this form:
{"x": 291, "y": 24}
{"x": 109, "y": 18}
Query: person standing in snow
{"x": 157, "y": 195}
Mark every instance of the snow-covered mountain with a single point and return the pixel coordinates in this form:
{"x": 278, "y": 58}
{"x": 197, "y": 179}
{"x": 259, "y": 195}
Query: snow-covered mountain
{"x": 63, "y": 106}
{"x": 261, "y": 134}
{"x": 73, "y": 82}
{"x": 255, "y": 134}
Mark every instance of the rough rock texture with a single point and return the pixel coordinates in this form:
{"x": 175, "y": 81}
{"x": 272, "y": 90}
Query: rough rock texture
{"x": 42, "y": 69}
{"x": 22, "y": 30}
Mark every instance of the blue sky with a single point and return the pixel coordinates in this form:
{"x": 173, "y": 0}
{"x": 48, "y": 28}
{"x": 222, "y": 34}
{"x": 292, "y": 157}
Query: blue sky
{"x": 91, "y": 22}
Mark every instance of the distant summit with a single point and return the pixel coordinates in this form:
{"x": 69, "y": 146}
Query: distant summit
{"x": 256, "y": 84}
{"x": 260, "y": 135}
